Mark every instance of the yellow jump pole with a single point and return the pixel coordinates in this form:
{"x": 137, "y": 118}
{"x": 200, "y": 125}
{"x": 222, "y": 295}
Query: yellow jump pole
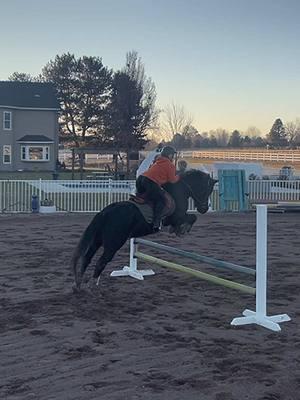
{"x": 202, "y": 275}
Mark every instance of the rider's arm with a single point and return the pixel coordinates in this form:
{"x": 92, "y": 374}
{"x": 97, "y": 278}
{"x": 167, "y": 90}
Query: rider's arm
{"x": 172, "y": 177}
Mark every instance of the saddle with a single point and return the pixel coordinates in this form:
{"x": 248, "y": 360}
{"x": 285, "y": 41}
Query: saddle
{"x": 145, "y": 206}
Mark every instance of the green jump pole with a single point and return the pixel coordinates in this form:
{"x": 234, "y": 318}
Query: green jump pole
{"x": 198, "y": 274}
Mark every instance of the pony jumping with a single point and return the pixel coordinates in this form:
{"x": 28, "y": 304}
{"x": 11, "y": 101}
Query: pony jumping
{"x": 120, "y": 221}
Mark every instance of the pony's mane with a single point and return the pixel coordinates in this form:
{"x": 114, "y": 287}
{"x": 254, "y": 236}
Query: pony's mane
{"x": 194, "y": 172}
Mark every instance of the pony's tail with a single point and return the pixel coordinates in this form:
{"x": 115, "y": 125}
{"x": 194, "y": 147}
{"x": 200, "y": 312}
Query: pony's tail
{"x": 88, "y": 244}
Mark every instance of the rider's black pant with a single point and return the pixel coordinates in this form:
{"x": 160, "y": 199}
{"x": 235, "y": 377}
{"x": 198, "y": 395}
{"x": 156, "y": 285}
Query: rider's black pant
{"x": 154, "y": 193}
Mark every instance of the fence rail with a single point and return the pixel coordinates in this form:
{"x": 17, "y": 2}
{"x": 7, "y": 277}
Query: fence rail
{"x": 71, "y": 196}
{"x": 268, "y": 155}
{"x": 93, "y": 196}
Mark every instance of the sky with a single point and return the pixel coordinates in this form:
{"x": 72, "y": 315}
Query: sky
{"x": 230, "y": 63}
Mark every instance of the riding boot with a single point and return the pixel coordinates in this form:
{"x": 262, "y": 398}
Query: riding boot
{"x": 158, "y": 210}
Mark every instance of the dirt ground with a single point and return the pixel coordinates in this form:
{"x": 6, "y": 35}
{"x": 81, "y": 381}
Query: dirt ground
{"x": 165, "y": 338}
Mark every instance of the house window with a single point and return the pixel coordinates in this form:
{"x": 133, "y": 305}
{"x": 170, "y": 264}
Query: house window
{"x": 7, "y": 154}
{"x": 35, "y": 153}
{"x": 7, "y": 120}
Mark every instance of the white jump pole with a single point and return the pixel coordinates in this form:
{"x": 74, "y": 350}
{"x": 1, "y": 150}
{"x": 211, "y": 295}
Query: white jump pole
{"x": 132, "y": 270}
{"x": 259, "y": 316}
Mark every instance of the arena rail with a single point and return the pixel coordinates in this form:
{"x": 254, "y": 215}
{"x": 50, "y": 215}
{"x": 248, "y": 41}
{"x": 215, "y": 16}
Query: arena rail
{"x": 93, "y": 196}
{"x": 258, "y": 316}
{"x": 287, "y": 156}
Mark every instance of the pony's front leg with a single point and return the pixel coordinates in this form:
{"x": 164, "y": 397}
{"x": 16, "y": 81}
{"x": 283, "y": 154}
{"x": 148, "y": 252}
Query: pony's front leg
{"x": 174, "y": 222}
{"x": 190, "y": 220}
{"x": 183, "y": 225}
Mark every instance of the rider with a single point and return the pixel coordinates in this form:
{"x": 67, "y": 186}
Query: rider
{"x": 182, "y": 166}
{"x": 149, "y": 160}
{"x": 149, "y": 183}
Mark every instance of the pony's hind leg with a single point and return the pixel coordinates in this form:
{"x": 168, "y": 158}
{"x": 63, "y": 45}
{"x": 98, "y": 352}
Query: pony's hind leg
{"x": 106, "y": 257}
{"x": 108, "y": 254}
{"x": 86, "y": 259}
{"x": 84, "y": 262}
{"x": 114, "y": 236}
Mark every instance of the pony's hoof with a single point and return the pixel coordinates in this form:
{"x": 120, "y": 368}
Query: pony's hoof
{"x": 180, "y": 231}
{"x": 77, "y": 279}
{"x": 171, "y": 229}
{"x": 92, "y": 284}
{"x": 76, "y": 289}
{"x": 188, "y": 229}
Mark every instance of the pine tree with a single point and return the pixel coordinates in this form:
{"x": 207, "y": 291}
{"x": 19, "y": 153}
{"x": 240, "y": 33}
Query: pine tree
{"x": 131, "y": 111}
{"x": 277, "y": 135}
{"x": 83, "y": 88}
{"x": 235, "y": 139}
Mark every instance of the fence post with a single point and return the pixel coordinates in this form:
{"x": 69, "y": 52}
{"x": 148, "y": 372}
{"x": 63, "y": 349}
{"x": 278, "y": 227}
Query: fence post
{"x": 109, "y": 190}
{"x": 40, "y": 189}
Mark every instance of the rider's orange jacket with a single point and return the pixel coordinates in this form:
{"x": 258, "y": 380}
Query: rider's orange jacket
{"x": 162, "y": 171}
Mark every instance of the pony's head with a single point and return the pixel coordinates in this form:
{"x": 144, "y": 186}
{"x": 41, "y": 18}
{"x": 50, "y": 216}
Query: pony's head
{"x": 199, "y": 186}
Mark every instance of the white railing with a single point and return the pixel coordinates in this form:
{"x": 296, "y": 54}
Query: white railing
{"x": 274, "y": 190}
{"x": 93, "y": 196}
{"x": 71, "y": 196}
{"x": 263, "y": 155}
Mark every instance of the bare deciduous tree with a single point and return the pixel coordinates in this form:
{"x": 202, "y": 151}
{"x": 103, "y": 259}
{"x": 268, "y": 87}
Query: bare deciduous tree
{"x": 135, "y": 69}
{"x": 23, "y": 77}
{"x": 174, "y": 120}
{"x": 221, "y": 136}
{"x": 252, "y": 131}
{"x": 292, "y": 130}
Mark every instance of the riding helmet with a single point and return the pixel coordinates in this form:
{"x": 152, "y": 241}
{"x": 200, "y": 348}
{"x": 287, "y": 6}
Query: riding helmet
{"x": 167, "y": 151}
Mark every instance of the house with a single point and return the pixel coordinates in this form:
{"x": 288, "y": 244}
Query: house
{"x": 28, "y": 126}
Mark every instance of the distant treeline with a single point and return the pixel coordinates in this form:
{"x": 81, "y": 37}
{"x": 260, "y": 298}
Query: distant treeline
{"x": 280, "y": 136}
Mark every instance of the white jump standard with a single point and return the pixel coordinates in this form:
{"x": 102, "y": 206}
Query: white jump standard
{"x": 132, "y": 269}
{"x": 258, "y": 316}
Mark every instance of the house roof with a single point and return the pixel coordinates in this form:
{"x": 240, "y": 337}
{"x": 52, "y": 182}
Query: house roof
{"x": 35, "y": 138}
{"x": 36, "y": 95}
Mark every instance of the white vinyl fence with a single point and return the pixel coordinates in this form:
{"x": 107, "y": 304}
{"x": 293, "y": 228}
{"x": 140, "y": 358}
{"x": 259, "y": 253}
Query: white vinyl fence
{"x": 70, "y": 196}
{"x": 93, "y": 196}
{"x": 287, "y": 156}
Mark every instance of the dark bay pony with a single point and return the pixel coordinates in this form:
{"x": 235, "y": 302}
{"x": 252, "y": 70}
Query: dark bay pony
{"x": 120, "y": 221}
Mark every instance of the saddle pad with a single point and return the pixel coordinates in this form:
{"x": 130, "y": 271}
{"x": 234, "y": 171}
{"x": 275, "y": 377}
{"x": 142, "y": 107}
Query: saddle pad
{"x": 146, "y": 209}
